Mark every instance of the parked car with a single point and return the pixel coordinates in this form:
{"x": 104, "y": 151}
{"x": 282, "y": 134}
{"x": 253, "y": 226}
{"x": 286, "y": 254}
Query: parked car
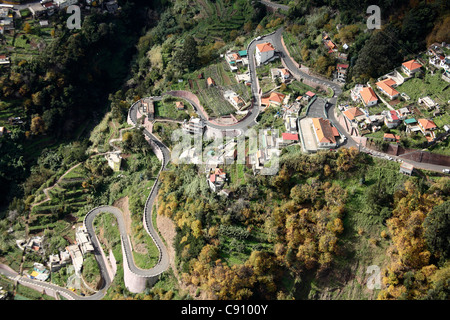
{"x": 446, "y": 170}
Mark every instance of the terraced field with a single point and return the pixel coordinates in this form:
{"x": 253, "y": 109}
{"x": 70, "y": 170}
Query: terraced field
{"x": 67, "y": 197}
{"x": 222, "y": 17}
{"x": 213, "y": 98}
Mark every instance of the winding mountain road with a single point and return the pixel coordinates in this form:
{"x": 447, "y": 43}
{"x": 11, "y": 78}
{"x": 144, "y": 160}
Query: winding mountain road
{"x": 163, "y": 262}
{"x": 325, "y": 107}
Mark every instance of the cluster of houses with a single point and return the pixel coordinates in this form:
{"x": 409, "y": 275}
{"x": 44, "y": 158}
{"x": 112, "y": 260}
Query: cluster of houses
{"x": 342, "y": 65}
{"x": 78, "y": 250}
{"x": 439, "y": 60}
{"x": 267, "y": 150}
{"x": 49, "y": 7}
{"x": 6, "y": 18}
{"x": 358, "y": 118}
{"x": 236, "y": 59}
{"x": 32, "y": 244}
{"x": 386, "y": 86}
{"x": 73, "y": 253}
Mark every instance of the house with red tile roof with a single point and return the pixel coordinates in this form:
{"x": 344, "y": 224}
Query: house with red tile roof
{"x": 391, "y": 137}
{"x": 368, "y": 96}
{"x": 427, "y": 127}
{"x": 264, "y": 52}
{"x": 4, "y": 59}
{"x": 410, "y": 67}
{"x": 274, "y": 98}
{"x": 341, "y": 71}
{"x": 284, "y": 74}
{"x": 387, "y": 87}
{"x": 289, "y": 136}
{"x": 287, "y": 139}
{"x": 354, "y": 114}
{"x": 326, "y": 135}
{"x": 217, "y": 179}
{"x": 309, "y": 95}
{"x": 391, "y": 119}
{"x": 179, "y": 105}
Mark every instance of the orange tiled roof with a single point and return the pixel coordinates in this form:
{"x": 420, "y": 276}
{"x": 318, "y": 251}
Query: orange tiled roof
{"x": 352, "y": 113}
{"x": 323, "y": 130}
{"x": 264, "y": 47}
{"x": 411, "y": 65}
{"x": 368, "y": 95}
{"x": 276, "y": 97}
{"x": 386, "y": 86}
{"x": 427, "y": 124}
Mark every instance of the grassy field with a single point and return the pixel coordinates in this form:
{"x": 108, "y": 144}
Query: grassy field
{"x": 441, "y": 147}
{"x": 431, "y": 85}
{"x": 293, "y": 46}
{"x": 220, "y": 17}
{"x": 167, "y": 109}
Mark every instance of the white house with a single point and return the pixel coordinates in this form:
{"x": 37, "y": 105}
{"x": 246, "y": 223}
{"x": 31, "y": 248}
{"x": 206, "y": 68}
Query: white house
{"x": 234, "y": 99}
{"x": 386, "y": 86}
{"x": 411, "y": 67}
{"x": 4, "y": 59}
{"x": 194, "y": 125}
{"x": 325, "y": 135}
{"x": 83, "y": 240}
{"x": 428, "y": 102}
{"x": 264, "y": 52}
{"x": 391, "y": 119}
{"x": 368, "y": 96}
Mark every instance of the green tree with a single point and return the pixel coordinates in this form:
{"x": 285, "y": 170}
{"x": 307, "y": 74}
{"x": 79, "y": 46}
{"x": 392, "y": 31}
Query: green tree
{"x": 437, "y": 230}
{"x": 187, "y": 55}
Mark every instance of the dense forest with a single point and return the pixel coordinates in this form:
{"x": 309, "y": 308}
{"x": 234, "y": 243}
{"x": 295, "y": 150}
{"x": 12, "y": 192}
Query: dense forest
{"x": 65, "y": 89}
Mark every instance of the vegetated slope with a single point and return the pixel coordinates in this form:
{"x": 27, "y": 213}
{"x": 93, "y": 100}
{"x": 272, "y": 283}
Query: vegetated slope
{"x": 310, "y": 231}
{"x": 63, "y": 88}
